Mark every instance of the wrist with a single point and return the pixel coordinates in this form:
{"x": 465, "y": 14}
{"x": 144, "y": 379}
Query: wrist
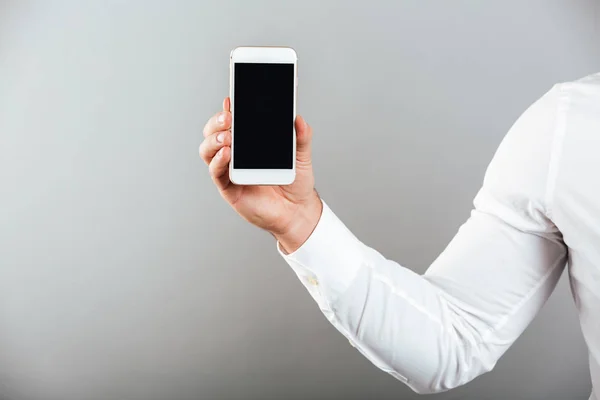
{"x": 302, "y": 225}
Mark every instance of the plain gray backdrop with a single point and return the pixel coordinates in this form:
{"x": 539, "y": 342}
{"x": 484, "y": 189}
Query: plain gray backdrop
{"x": 123, "y": 276}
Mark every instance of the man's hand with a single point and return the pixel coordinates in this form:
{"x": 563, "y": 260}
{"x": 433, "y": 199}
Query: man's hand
{"x": 291, "y": 212}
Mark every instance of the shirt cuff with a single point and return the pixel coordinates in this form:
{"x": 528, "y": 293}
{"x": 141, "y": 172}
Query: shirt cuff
{"x": 330, "y": 259}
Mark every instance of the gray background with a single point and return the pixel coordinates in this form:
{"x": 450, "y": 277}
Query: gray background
{"x": 122, "y": 273}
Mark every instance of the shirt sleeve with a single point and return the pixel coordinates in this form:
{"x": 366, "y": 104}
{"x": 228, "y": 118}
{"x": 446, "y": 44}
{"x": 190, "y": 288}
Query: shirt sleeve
{"x": 442, "y": 329}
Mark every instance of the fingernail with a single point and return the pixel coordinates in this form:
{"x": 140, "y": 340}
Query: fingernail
{"x": 220, "y": 154}
{"x": 221, "y": 119}
{"x": 221, "y": 137}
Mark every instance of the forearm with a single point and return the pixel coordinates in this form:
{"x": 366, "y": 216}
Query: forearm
{"x": 437, "y": 331}
{"x": 407, "y": 328}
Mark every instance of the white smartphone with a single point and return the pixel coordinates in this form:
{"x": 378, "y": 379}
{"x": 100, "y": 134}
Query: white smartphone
{"x": 263, "y": 83}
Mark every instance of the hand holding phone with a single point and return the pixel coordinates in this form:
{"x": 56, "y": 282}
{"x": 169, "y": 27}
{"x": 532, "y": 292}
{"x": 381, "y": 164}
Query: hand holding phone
{"x": 289, "y": 211}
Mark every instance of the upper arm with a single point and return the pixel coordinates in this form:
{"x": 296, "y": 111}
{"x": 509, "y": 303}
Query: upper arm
{"x": 500, "y": 265}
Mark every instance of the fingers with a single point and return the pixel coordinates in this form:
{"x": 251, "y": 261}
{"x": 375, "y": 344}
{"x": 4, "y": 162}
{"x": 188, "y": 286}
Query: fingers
{"x": 213, "y": 143}
{"x": 219, "y": 122}
{"x": 227, "y": 104}
{"x": 303, "y": 140}
{"x": 219, "y": 168}
{"x": 215, "y": 150}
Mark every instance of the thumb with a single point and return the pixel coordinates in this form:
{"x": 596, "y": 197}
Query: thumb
{"x": 303, "y": 140}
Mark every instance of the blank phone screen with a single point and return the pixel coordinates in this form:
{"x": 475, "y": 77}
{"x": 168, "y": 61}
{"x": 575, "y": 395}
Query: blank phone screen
{"x": 263, "y": 116}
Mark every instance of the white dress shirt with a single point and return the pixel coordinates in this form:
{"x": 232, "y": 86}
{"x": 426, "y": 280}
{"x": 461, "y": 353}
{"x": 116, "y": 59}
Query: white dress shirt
{"x": 538, "y": 208}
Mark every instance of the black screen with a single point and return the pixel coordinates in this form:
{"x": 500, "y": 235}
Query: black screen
{"x": 263, "y": 116}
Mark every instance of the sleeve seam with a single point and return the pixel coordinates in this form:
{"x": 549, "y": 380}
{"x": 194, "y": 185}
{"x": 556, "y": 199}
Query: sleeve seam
{"x": 502, "y": 322}
{"x": 556, "y": 148}
{"x": 485, "y": 336}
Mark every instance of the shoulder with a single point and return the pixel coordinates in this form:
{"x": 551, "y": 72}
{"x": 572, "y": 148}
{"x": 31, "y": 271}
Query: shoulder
{"x": 520, "y": 179}
{"x": 592, "y": 79}
{"x": 515, "y": 183}
{"x": 580, "y": 91}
